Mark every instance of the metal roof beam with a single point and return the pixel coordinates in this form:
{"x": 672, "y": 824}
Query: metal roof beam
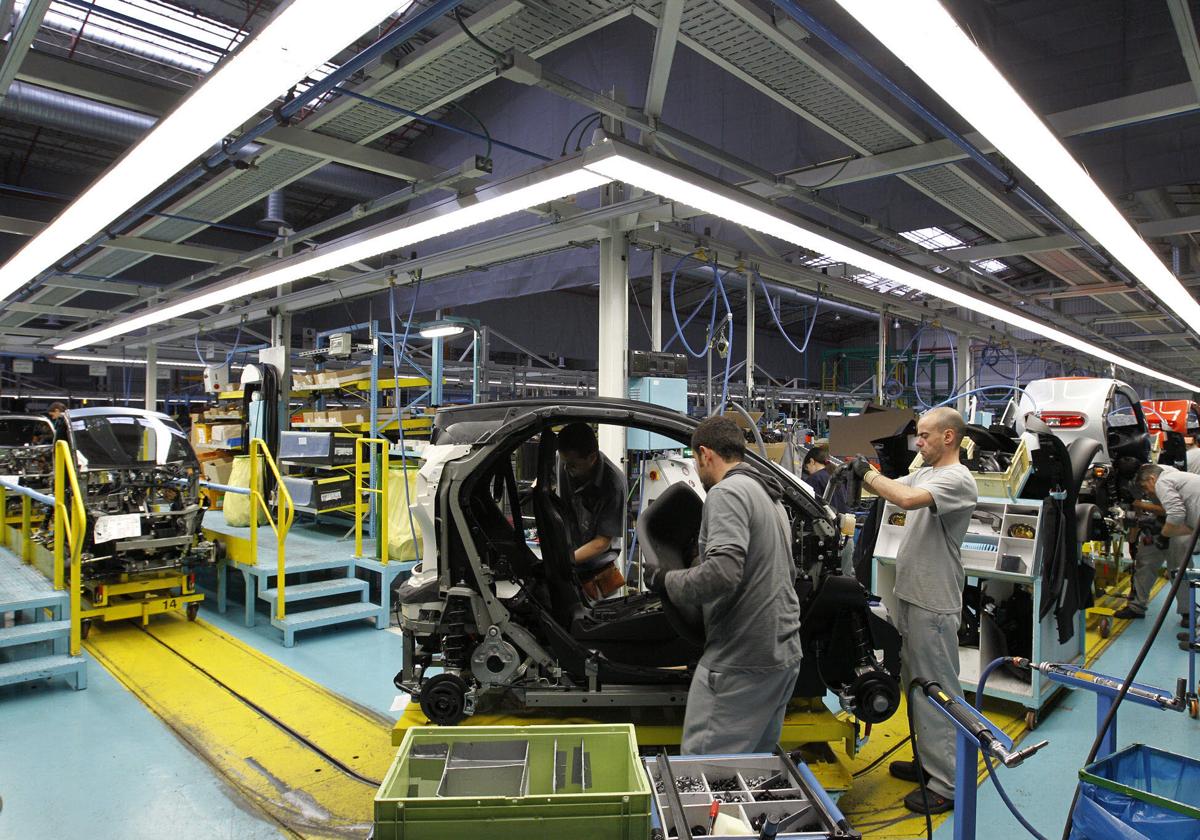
{"x": 1126, "y": 110}
{"x": 1156, "y": 229}
{"x": 1185, "y": 30}
{"x": 665, "y": 39}
{"x": 62, "y": 74}
{"x": 18, "y": 44}
{"x": 351, "y": 154}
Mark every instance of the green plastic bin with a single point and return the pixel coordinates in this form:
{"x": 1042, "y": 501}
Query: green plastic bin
{"x": 521, "y": 782}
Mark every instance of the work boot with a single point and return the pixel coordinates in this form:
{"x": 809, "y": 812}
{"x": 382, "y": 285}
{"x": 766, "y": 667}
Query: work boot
{"x": 916, "y": 800}
{"x": 1183, "y": 637}
{"x": 905, "y": 771}
{"x": 1128, "y": 613}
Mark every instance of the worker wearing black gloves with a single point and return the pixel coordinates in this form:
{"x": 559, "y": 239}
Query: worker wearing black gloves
{"x": 745, "y": 583}
{"x": 940, "y": 498}
{"x": 1177, "y": 495}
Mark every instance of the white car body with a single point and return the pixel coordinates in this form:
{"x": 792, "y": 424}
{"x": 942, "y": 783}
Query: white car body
{"x": 1105, "y": 406}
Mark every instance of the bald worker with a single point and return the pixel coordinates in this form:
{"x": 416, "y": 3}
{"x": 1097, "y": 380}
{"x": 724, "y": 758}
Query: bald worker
{"x": 940, "y": 498}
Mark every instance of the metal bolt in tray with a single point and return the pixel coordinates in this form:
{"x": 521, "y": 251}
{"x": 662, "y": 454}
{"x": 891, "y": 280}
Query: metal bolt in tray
{"x": 751, "y": 789}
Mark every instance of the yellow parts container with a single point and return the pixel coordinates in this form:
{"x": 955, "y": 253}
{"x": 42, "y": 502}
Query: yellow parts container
{"x": 997, "y": 485}
{"x": 237, "y": 506}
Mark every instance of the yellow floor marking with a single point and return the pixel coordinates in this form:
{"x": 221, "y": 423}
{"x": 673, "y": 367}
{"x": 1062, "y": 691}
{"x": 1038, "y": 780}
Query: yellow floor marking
{"x": 874, "y": 803}
{"x": 295, "y": 786}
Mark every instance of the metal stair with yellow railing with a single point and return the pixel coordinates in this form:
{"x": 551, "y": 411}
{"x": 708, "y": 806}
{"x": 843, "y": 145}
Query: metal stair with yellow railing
{"x": 39, "y": 618}
{"x": 305, "y": 584}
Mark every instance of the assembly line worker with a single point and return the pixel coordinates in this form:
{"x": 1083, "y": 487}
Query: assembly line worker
{"x": 56, "y": 415}
{"x": 595, "y": 489}
{"x": 940, "y": 498}
{"x": 744, "y": 581}
{"x": 1193, "y": 456}
{"x": 1178, "y": 493}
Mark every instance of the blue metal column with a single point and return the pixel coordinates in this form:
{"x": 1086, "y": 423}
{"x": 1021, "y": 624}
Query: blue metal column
{"x": 436, "y": 370}
{"x": 475, "y": 366}
{"x": 1109, "y": 745}
{"x": 966, "y": 794}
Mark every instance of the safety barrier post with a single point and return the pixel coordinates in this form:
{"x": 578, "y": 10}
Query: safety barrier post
{"x": 75, "y": 523}
{"x": 26, "y": 529}
{"x": 360, "y": 470}
{"x": 285, "y": 511}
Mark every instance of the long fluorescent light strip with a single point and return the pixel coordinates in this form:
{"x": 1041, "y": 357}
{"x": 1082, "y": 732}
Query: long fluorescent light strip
{"x": 651, "y": 179}
{"x": 356, "y": 249}
{"x": 117, "y": 360}
{"x": 301, "y": 37}
{"x": 924, "y": 36}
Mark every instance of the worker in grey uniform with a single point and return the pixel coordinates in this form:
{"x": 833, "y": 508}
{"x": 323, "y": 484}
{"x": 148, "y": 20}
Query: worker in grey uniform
{"x": 1178, "y": 494}
{"x": 939, "y": 498}
{"x": 744, "y": 581}
{"x": 1193, "y": 456}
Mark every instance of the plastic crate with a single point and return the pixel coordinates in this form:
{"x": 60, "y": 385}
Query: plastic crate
{"x": 583, "y": 782}
{"x": 1151, "y": 791}
{"x": 331, "y": 449}
{"x": 998, "y": 485}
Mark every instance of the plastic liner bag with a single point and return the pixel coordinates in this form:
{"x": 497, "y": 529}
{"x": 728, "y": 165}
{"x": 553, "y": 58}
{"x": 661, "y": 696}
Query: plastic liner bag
{"x": 1139, "y": 793}
{"x": 237, "y": 505}
{"x": 403, "y": 544}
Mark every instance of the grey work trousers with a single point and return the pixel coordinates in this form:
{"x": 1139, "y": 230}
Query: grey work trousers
{"x": 1150, "y": 559}
{"x": 736, "y": 711}
{"x": 930, "y": 652}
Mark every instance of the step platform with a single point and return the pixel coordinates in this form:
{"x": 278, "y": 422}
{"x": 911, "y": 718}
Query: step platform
{"x": 37, "y": 647}
{"x": 312, "y": 551}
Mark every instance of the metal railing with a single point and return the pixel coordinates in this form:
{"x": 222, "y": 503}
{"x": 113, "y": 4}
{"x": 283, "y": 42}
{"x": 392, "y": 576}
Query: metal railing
{"x": 285, "y": 512}
{"x": 361, "y": 470}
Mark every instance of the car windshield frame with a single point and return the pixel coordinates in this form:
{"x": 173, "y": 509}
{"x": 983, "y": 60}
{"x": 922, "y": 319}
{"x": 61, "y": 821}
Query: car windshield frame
{"x": 95, "y": 442}
{"x": 30, "y": 420}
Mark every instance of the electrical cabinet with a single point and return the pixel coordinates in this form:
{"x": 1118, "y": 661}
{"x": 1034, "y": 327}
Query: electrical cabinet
{"x": 669, "y": 393}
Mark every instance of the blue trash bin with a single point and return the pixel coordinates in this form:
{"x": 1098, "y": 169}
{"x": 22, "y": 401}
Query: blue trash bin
{"x": 1139, "y": 793}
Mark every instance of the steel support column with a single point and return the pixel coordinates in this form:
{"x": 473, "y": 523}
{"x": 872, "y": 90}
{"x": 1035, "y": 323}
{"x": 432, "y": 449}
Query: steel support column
{"x": 881, "y": 372}
{"x": 436, "y": 371}
{"x": 750, "y": 295}
{"x": 966, "y": 372}
{"x": 614, "y": 334}
{"x": 151, "y": 392}
{"x": 656, "y": 311}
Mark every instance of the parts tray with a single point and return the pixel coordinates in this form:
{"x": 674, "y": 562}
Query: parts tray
{"x": 787, "y": 789}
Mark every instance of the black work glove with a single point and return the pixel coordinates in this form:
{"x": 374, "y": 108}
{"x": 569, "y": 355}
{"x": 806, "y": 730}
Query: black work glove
{"x": 1162, "y": 543}
{"x": 861, "y": 466}
{"x": 655, "y": 579}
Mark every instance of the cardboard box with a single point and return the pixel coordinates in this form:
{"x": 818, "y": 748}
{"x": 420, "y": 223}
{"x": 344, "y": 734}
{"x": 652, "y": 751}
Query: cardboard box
{"x": 775, "y": 451}
{"x": 217, "y": 470}
{"x": 199, "y": 434}
{"x": 740, "y": 420}
{"x": 224, "y": 432}
{"x": 303, "y": 380}
{"x": 853, "y": 435}
{"x": 348, "y": 415}
{"x": 354, "y": 374}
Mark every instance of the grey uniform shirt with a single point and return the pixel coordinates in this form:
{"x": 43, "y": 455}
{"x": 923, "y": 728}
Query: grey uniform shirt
{"x": 1193, "y": 460}
{"x": 929, "y": 568}
{"x": 745, "y": 580}
{"x": 598, "y": 503}
{"x": 1179, "y": 494}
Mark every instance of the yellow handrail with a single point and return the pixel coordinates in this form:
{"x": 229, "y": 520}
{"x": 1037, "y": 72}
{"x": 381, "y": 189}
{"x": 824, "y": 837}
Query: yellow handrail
{"x": 72, "y": 523}
{"x": 381, "y": 521}
{"x": 285, "y": 512}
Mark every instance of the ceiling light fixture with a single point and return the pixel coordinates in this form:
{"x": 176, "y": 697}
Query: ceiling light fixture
{"x": 117, "y": 360}
{"x": 925, "y": 37}
{"x": 539, "y": 187}
{"x": 442, "y": 329}
{"x": 675, "y": 181}
{"x": 301, "y": 37}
